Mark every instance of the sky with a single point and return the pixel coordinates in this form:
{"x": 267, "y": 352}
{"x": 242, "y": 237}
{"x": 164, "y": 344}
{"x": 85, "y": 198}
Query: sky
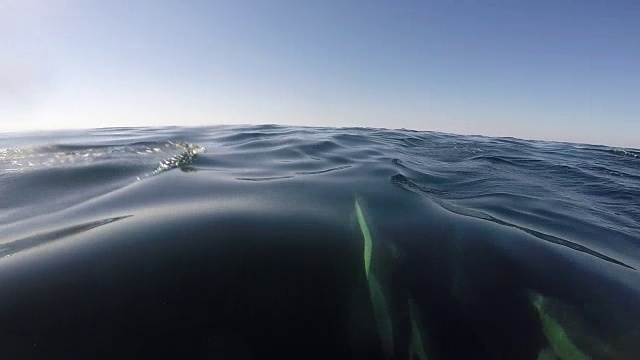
{"x": 551, "y": 70}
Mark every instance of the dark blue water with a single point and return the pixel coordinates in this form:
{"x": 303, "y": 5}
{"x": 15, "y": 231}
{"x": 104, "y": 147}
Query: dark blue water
{"x": 243, "y": 242}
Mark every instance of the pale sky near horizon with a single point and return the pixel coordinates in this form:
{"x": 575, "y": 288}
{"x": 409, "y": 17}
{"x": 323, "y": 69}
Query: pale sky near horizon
{"x": 552, "y": 70}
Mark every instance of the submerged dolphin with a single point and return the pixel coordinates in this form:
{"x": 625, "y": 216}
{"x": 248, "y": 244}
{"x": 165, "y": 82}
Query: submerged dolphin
{"x": 389, "y": 302}
{"x": 570, "y": 335}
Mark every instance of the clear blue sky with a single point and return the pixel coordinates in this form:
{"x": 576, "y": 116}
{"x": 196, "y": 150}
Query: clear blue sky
{"x": 556, "y": 70}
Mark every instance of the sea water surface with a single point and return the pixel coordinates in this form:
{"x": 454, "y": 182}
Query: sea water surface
{"x": 242, "y": 242}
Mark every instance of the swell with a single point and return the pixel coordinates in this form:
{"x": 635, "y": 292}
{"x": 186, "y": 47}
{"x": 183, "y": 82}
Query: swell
{"x": 602, "y": 189}
{"x": 407, "y": 184}
{"x": 45, "y": 179}
{"x": 588, "y": 191}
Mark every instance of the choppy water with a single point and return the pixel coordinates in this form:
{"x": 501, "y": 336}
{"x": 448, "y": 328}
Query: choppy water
{"x": 242, "y": 242}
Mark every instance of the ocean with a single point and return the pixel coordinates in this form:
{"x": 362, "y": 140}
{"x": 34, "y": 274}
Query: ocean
{"x": 241, "y": 242}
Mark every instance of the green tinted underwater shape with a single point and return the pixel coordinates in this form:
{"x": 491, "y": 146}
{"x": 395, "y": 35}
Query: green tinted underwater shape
{"x": 559, "y": 340}
{"x": 367, "y": 238}
{"x": 376, "y": 293}
{"x": 382, "y": 315}
{"x": 380, "y": 296}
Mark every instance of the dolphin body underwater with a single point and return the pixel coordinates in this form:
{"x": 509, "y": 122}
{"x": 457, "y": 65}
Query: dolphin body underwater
{"x": 569, "y": 335}
{"x": 392, "y": 310}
